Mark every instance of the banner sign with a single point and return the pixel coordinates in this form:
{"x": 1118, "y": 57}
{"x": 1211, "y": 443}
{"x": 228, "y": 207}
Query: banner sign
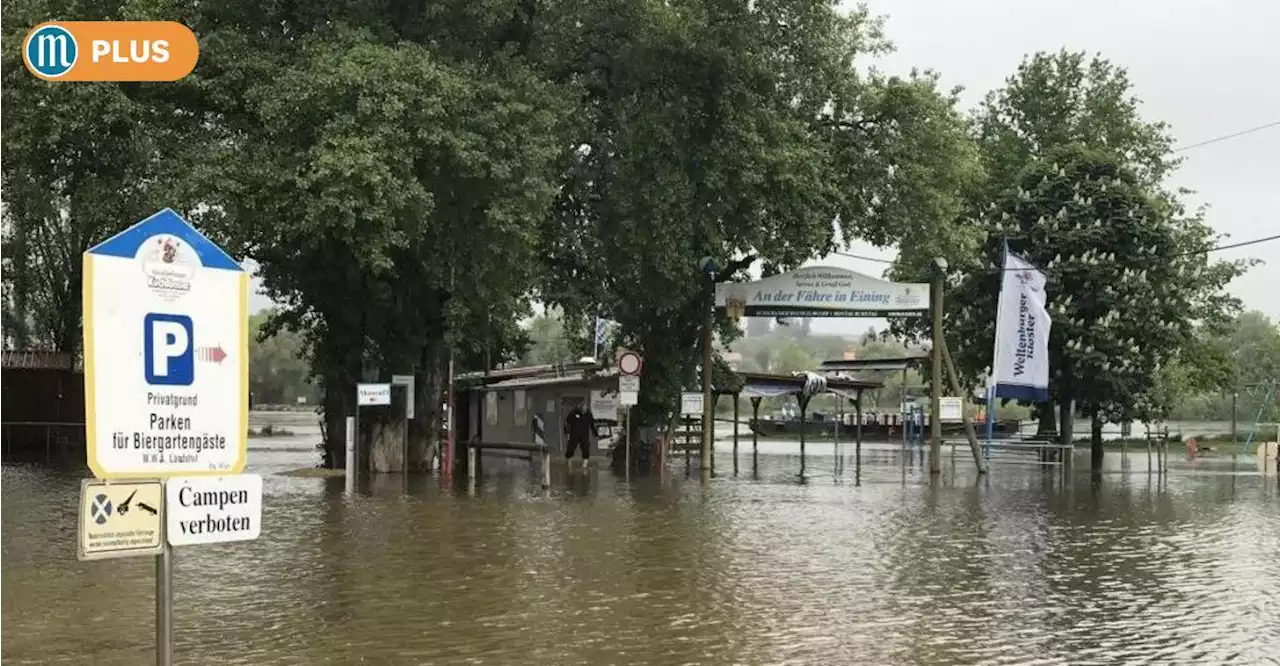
{"x": 824, "y": 291}
{"x": 1021, "y": 367}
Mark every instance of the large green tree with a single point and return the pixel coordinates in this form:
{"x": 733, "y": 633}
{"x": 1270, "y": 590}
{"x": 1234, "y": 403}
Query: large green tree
{"x": 1235, "y": 367}
{"x": 387, "y": 169}
{"x": 82, "y": 161}
{"x": 743, "y": 132}
{"x": 1075, "y": 183}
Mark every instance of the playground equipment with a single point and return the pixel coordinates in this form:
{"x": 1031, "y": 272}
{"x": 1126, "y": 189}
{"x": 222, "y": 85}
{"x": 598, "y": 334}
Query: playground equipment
{"x": 1268, "y": 400}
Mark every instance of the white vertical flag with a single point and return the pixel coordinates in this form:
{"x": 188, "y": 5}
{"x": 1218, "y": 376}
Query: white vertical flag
{"x": 1021, "y": 367}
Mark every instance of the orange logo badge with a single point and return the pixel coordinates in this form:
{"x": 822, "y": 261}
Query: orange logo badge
{"x": 110, "y": 51}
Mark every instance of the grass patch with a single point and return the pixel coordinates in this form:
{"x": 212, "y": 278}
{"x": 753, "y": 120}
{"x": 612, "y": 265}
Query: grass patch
{"x": 269, "y": 430}
{"x": 1208, "y": 445}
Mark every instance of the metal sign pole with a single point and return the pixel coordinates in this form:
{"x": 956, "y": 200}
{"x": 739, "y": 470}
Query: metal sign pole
{"x": 350, "y": 463}
{"x": 626, "y": 434}
{"x": 406, "y": 432}
{"x": 164, "y": 607}
{"x": 355, "y": 450}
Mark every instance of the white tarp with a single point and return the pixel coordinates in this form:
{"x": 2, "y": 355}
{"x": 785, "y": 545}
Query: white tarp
{"x": 1021, "y": 367}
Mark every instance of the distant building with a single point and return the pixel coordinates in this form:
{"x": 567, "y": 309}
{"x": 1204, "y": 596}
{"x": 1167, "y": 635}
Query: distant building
{"x": 850, "y": 355}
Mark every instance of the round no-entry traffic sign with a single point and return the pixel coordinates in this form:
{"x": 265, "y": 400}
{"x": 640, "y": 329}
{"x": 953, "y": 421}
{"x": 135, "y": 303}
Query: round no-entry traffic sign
{"x": 629, "y": 364}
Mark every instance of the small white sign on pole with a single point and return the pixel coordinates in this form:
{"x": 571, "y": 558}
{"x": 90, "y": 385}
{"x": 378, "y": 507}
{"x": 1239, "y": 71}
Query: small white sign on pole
{"x": 604, "y": 406}
{"x": 120, "y": 519}
{"x": 629, "y": 390}
{"x": 951, "y": 409}
{"x": 373, "y": 395}
{"x": 691, "y": 404}
{"x": 408, "y": 382}
{"x": 213, "y": 509}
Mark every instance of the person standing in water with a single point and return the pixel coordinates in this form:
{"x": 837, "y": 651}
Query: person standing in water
{"x": 579, "y": 425}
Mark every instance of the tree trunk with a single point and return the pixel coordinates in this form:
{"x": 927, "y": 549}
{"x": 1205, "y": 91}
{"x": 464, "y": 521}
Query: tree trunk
{"x": 1066, "y": 420}
{"x": 339, "y": 379}
{"x": 1047, "y": 428}
{"x": 335, "y": 427}
{"x": 1095, "y": 441}
{"x": 424, "y": 431}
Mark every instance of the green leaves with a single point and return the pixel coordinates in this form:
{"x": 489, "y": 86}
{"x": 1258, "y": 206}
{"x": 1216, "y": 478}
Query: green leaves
{"x": 742, "y": 132}
{"x": 1072, "y": 179}
{"x": 82, "y": 162}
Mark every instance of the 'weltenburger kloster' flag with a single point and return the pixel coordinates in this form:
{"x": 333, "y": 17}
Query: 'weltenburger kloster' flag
{"x": 1022, "y": 333}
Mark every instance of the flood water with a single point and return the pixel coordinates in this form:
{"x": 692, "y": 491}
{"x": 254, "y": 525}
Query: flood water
{"x": 1020, "y": 568}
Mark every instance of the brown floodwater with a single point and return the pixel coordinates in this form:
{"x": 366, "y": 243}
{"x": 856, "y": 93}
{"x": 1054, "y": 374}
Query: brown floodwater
{"x": 1020, "y": 568}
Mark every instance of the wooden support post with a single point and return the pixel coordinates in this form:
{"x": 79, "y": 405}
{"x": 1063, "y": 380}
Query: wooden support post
{"x": 708, "y": 400}
{"x": 472, "y": 467}
{"x": 755, "y": 435}
{"x": 736, "y": 398}
{"x": 715, "y": 398}
{"x": 978, "y": 459}
{"x": 540, "y": 437}
{"x": 935, "y": 380}
{"x": 688, "y": 444}
{"x": 857, "y": 447}
{"x": 804, "y": 408}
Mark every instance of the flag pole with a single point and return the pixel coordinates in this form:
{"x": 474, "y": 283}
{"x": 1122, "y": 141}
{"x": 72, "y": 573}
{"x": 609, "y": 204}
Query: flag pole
{"x": 995, "y": 354}
{"x": 595, "y": 338}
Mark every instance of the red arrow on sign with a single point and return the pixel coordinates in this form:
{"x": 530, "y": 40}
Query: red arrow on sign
{"x": 213, "y": 354}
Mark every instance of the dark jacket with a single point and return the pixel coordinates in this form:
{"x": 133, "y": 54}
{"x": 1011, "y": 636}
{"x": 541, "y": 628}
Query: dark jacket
{"x": 579, "y": 425}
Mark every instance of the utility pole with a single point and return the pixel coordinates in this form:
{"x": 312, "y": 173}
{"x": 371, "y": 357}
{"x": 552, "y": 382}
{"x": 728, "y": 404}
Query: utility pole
{"x": 708, "y": 415}
{"x": 1234, "y": 396}
{"x": 935, "y": 381}
{"x": 708, "y": 266}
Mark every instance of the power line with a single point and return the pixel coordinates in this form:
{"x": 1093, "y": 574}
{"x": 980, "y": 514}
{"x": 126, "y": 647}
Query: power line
{"x": 1226, "y": 137}
{"x": 1216, "y": 248}
{"x": 1233, "y": 245}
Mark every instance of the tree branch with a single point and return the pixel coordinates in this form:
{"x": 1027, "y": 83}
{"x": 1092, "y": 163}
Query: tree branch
{"x": 725, "y": 274}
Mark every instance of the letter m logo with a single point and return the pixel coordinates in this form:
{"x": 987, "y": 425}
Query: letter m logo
{"x": 53, "y": 51}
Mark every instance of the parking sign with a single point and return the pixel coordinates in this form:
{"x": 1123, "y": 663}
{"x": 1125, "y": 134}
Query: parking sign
{"x": 165, "y": 353}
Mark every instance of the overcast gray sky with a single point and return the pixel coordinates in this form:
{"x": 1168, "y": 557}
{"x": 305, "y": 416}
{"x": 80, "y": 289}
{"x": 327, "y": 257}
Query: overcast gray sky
{"x": 1206, "y": 67}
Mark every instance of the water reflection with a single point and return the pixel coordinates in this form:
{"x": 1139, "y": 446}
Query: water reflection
{"x": 1018, "y": 568}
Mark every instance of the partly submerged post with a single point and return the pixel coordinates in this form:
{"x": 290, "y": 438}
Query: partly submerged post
{"x": 755, "y": 435}
{"x": 935, "y": 378}
{"x": 857, "y": 438}
{"x": 715, "y": 398}
{"x": 705, "y": 461}
{"x": 540, "y": 438}
{"x": 736, "y": 397}
{"x": 351, "y": 454}
{"x": 804, "y": 408}
{"x": 979, "y": 459}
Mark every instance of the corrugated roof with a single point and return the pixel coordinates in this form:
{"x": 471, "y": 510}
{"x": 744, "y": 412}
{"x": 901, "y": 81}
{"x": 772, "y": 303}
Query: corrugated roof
{"x": 872, "y": 364}
{"x": 30, "y": 359}
{"x": 798, "y": 381}
{"x": 525, "y": 372}
{"x": 523, "y": 383}
{"x": 608, "y": 376}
